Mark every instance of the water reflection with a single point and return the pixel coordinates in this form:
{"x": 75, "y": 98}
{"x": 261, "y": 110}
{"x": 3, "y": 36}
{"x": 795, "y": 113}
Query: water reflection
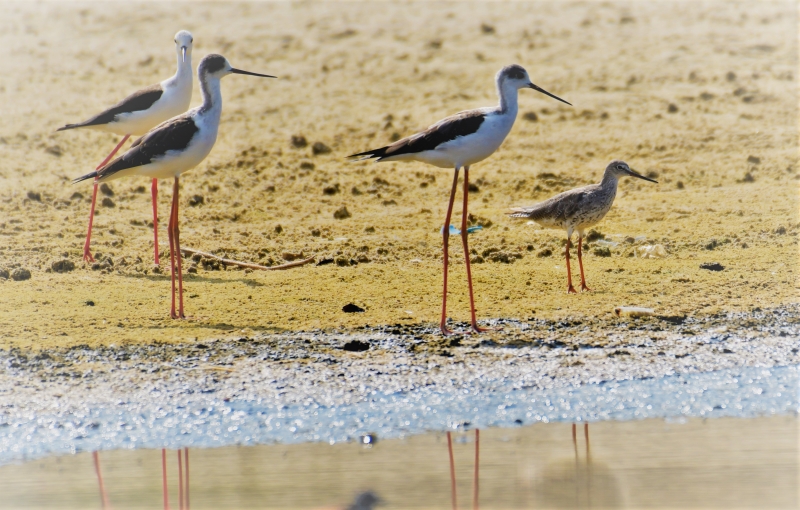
{"x": 721, "y": 463}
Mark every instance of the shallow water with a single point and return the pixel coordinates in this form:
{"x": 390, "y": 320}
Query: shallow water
{"x": 694, "y": 463}
{"x": 205, "y": 420}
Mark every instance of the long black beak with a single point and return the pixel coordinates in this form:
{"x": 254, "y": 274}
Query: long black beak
{"x": 543, "y": 91}
{"x": 183, "y": 52}
{"x": 640, "y": 176}
{"x": 239, "y": 71}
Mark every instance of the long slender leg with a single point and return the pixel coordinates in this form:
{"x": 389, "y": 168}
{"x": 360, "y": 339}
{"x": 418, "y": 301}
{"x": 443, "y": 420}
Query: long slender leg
{"x": 103, "y": 495}
{"x": 452, "y": 467}
{"x": 178, "y": 258}
{"x": 180, "y": 480}
{"x": 87, "y": 255}
{"x": 464, "y": 215}
{"x": 164, "y": 478}
{"x": 580, "y": 264}
{"x": 570, "y": 288}
{"x": 171, "y": 236}
{"x": 445, "y": 243}
{"x": 154, "y": 193}
{"x": 186, "y": 460}
{"x": 475, "y": 478}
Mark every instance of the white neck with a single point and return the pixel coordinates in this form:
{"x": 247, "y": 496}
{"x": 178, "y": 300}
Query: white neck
{"x": 508, "y": 97}
{"x": 184, "y": 73}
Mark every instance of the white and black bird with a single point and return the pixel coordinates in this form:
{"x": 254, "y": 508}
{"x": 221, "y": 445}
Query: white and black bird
{"x": 462, "y": 140}
{"x": 174, "y": 147}
{"x": 139, "y": 113}
{"x": 579, "y": 209}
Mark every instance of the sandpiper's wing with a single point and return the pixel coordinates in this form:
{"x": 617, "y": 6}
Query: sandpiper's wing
{"x": 450, "y": 128}
{"x": 558, "y": 208}
{"x": 174, "y": 134}
{"x": 140, "y": 100}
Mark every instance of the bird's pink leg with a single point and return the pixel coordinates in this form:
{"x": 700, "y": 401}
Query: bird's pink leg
{"x": 186, "y": 461}
{"x": 87, "y": 255}
{"x": 570, "y": 288}
{"x": 171, "y": 236}
{"x": 175, "y": 254}
{"x": 584, "y": 288}
{"x": 154, "y": 192}
{"x": 180, "y": 481}
{"x": 445, "y": 244}
{"x": 164, "y": 478}
{"x": 452, "y": 464}
{"x": 464, "y": 242}
{"x": 103, "y": 495}
{"x": 475, "y": 477}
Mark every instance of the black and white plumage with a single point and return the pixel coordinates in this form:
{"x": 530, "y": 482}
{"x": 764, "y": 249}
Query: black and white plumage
{"x": 146, "y": 108}
{"x": 460, "y": 141}
{"x": 579, "y": 209}
{"x": 174, "y": 147}
{"x": 140, "y": 112}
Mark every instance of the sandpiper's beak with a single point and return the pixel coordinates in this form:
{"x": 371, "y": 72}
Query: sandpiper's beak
{"x": 183, "y": 52}
{"x": 640, "y": 176}
{"x": 543, "y": 91}
{"x": 239, "y": 71}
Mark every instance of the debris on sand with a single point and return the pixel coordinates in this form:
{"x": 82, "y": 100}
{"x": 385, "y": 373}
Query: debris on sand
{"x": 320, "y": 148}
{"x": 356, "y": 346}
{"x": 20, "y": 274}
{"x": 62, "y": 266}
{"x": 633, "y": 311}
{"x": 712, "y": 266}
{"x": 352, "y": 308}
{"x": 654, "y": 251}
{"x": 342, "y": 213}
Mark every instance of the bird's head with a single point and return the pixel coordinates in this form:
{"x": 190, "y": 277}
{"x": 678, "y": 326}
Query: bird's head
{"x": 621, "y": 169}
{"x": 516, "y": 77}
{"x": 217, "y": 66}
{"x": 183, "y": 42}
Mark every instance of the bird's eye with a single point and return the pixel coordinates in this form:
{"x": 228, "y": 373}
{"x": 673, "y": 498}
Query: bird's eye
{"x": 620, "y": 167}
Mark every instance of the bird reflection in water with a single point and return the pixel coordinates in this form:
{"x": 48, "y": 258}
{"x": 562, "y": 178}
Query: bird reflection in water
{"x": 578, "y": 482}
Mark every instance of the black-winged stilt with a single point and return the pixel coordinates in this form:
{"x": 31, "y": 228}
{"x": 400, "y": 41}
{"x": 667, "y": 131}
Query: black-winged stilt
{"x": 141, "y": 112}
{"x": 174, "y": 147}
{"x": 462, "y": 140}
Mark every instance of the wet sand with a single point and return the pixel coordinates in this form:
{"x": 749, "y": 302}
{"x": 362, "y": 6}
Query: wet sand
{"x": 702, "y": 97}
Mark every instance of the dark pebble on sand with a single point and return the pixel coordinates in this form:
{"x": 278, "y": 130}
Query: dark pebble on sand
{"x": 299, "y": 141}
{"x": 712, "y": 266}
{"x": 356, "y": 346}
{"x": 106, "y": 190}
{"x": 342, "y": 213}
{"x": 351, "y": 308}
{"x": 35, "y": 195}
{"x": 320, "y": 148}
{"x": 62, "y": 266}
{"x": 107, "y": 202}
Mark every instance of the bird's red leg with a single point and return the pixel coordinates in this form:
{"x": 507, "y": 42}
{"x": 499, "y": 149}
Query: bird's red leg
{"x": 464, "y": 242}
{"x": 445, "y": 243}
{"x": 186, "y": 461}
{"x": 475, "y": 477}
{"x": 171, "y": 236}
{"x": 570, "y": 288}
{"x": 180, "y": 480}
{"x": 87, "y": 255}
{"x": 452, "y": 465}
{"x": 178, "y": 259}
{"x": 164, "y": 478}
{"x": 584, "y": 288}
{"x": 103, "y": 495}
{"x": 154, "y": 192}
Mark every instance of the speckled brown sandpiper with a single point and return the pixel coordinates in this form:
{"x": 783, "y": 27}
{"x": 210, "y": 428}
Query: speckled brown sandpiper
{"x": 579, "y": 209}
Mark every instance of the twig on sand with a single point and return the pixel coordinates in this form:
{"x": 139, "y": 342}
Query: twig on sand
{"x": 229, "y": 262}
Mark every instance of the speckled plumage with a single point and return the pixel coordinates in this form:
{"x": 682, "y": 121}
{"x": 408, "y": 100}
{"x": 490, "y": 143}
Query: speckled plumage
{"x": 579, "y": 208}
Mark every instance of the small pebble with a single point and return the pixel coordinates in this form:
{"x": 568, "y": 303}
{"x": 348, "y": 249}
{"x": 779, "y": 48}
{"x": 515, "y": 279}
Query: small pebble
{"x": 712, "y": 266}
{"x": 20, "y": 274}
{"x": 106, "y": 190}
{"x": 342, "y": 213}
{"x": 320, "y": 148}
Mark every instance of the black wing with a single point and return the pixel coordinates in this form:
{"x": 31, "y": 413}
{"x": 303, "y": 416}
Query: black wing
{"x": 138, "y": 101}
{"x": 460, "y": 124}
{"x": 173, "y": 135}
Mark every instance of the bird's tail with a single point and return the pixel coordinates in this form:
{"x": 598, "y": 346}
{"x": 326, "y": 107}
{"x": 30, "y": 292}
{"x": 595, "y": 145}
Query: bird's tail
{"x": 375, "y": 153}
{"x": 88, "y": 176}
